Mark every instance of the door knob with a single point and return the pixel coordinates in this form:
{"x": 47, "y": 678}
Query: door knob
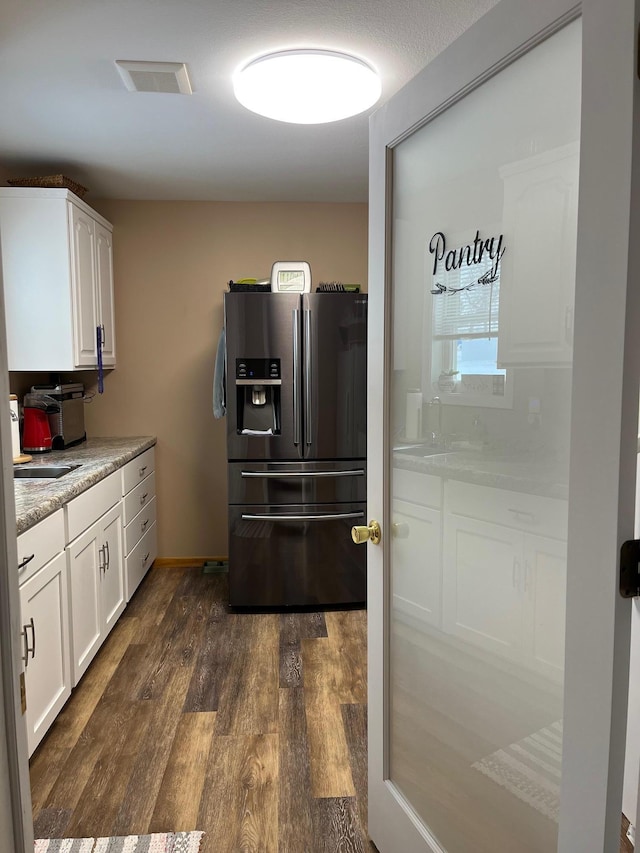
{"x": 372, "y": 532}
{"x": 400, "y": 530}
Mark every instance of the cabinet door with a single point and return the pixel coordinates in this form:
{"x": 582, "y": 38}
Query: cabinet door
{"x": 104, "y": 293}
{"x": 112, "y": 576}
{"x": 84, "y": 288}
{"x": 45, "y": 622}
{"x": 482, "y": 579}
{"x": 538, "y": 270}
{"x": 417, "y": 578}
{"x": 545, "y": 593}
{"x": 86, "y": 562}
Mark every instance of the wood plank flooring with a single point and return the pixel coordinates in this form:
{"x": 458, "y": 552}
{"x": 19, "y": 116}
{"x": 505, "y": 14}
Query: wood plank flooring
{"x": 251, "y": 727}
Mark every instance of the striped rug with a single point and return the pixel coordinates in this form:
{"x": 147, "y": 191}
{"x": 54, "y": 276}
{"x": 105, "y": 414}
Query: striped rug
{"x": 158, "y": 842}
{"x": 530, "y": 769}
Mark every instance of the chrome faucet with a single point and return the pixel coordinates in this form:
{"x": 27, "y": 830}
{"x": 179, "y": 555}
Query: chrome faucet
{"x": 436, "y": 437}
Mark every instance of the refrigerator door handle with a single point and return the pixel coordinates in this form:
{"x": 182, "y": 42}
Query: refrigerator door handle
{"x": 359, "y": 472}
{"x": 296, "y": 377}
{"x": 307, "y": 376}
{"x": 328, "y": 517}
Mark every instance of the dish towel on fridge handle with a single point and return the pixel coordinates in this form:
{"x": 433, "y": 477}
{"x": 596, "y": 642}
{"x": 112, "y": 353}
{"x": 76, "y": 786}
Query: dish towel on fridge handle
{"x": 219, "y": 407}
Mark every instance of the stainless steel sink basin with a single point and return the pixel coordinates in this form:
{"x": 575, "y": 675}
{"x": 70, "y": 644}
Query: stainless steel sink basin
{"x": 420, "y": 450}
{"x": 43, "y": 472}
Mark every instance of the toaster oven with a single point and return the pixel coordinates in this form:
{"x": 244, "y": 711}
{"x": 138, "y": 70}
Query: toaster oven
{"x": 67, "y": 425}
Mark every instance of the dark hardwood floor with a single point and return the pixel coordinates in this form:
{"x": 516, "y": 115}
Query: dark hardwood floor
{"x": 251, "y": 727}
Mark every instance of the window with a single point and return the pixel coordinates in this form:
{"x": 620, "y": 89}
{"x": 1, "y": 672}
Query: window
{"x": 464, "y": 312}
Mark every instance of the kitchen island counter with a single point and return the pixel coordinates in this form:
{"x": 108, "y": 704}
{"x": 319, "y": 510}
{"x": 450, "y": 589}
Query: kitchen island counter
{"x": 97, "y": 457}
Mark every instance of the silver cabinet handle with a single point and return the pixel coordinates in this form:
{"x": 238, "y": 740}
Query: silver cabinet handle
{"x": 568, "y": 324}
{"x": 103, "y": 337}
{"x": 29, "y": 649}
{"x": 142, "y": 470}
{"x": 102, "y": 563}
{"x": 146, "y": 557}
{"x": 296, "y": 377}
{"x": 108, "y": 556}
{"x": 523, "y": 514}
{"x": 25, "y": 562}
{"x": 307, "y": 376}
{"x": 143, "y": 526}
{"x": 329, "y": 517}
{"x": 143, "y": 497}
{"x": 277, "y": 475}
{"x": 515, "y": 573}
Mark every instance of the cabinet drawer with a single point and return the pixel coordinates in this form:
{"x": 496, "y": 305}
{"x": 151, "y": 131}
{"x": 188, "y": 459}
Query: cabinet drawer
{"x": 417, "y": 488}
{"x": 140, "y": 559}
{"x": 44, "y": 540}
{"x": 136, "y": 528}
{"x": 531, "y": 513}
{"x": 89, "y": 506}
{"x": 139, "y": 497}
{"x": 136, "y": 470}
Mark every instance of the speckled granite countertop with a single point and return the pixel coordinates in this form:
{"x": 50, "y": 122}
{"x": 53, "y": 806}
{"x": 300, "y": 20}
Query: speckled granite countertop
{"x": 98, "y": 457}
{"x": 498, "y": 471}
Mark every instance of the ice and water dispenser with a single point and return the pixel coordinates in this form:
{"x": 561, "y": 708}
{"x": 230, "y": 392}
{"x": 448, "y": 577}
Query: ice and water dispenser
{"x": 258, "y": 393}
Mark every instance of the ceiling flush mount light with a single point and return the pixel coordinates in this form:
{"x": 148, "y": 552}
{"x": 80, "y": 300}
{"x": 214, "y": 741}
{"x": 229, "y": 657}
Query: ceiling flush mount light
{"x": 307, "y": 86}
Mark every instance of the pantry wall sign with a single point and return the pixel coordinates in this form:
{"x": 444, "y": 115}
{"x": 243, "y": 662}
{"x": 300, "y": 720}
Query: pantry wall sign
{"x": 479, "y": 253}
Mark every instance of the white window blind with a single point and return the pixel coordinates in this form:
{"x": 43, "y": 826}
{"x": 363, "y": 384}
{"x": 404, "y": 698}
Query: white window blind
{"x": 466, "y": 313}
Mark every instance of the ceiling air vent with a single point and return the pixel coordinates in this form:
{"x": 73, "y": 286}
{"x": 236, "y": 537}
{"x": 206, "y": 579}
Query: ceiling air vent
{"x": 170, "y": 77}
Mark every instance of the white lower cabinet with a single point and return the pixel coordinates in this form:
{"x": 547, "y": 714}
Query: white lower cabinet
{"x": 96, "y": 577}
{"x": 45, "y": 637}
{"x": 546, "y": 579}
{"x": 416, "y": 551}
{"x": 139, "y": 518}
{"x": 482, "y": 584}
{"x": 504, "y": 578}
{"x": 416, "y": 570}
{"x": 73, "y": 586}
{"x": 139, "y": 560}
{"x": 85, "y": 572}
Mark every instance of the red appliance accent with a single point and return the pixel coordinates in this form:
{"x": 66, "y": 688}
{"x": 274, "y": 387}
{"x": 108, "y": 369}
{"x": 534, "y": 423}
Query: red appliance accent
{"x": 36, "y": 435}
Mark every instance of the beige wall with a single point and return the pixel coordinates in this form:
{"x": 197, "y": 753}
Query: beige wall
{"x": 172, "y": 264}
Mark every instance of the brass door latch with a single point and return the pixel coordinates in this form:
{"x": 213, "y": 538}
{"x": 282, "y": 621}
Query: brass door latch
{"x": 372, "y": 532}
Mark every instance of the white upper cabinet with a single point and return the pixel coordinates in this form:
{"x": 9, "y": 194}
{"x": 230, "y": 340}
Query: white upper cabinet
{"x": 537, "y": 280}
{"x": 57, "y": 263}
{"x": 104, "y": 281}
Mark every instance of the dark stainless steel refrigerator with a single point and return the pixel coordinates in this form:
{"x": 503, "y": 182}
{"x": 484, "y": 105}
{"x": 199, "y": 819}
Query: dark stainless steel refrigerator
{"x": 296, "y": 382}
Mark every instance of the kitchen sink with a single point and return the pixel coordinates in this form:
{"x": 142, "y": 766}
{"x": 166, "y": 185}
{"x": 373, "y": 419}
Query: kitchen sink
{"x": 43, "y": 472}
{"x": 420, "y": 450}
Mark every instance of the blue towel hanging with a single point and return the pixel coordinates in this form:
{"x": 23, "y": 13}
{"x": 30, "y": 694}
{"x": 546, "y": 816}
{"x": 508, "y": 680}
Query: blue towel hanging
{"x": 219, "y": 400}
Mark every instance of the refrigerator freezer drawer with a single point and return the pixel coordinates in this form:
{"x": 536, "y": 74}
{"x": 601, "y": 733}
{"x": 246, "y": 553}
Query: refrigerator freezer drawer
{"x": 297, "y": 482}
{"x": 294, "y": 556}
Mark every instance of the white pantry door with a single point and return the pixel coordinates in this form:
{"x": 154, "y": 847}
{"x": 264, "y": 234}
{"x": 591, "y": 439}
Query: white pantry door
{"x": 504, "y": 290}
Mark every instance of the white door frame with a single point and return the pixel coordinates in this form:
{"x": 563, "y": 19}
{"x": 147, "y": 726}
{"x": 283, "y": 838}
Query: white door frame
{"x": 16, "y": 823}
{"x": 604, "y": 394}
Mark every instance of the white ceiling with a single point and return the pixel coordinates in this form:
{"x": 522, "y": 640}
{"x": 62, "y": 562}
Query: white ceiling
{"x": 65, "y": 108}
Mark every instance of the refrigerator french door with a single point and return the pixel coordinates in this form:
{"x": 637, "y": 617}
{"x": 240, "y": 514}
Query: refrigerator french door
{"x": 296, "y": 442}
{"x": 296, "y": 375}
